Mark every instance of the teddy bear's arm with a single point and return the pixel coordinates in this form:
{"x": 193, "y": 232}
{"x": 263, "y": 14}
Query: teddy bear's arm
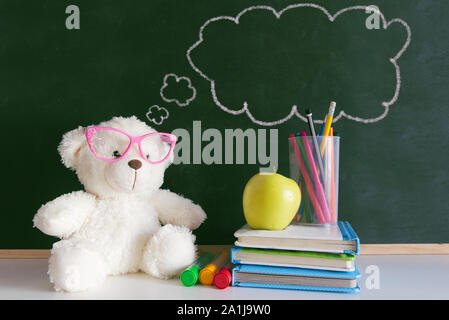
{"x": 64, "y": 215}
{"x": 177, "y": 210}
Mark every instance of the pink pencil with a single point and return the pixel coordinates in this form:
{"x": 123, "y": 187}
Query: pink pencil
{"x": 333, "y": 195}
{"x": 318, "y": 185}
{"x": 309, "y": 185}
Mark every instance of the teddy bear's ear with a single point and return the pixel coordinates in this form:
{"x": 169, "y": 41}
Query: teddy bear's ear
{"x": 70, "y": 146}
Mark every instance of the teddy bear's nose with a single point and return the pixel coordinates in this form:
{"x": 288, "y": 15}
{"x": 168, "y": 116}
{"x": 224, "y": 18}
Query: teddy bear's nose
{"x": 135, "y": 164}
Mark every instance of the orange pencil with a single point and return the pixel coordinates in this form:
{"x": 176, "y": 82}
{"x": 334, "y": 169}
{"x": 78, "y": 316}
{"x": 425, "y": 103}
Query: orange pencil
{"x": 333, "y": 195}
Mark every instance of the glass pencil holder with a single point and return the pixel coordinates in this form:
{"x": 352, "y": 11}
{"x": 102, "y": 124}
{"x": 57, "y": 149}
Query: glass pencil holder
{"x": 314, "y": 165}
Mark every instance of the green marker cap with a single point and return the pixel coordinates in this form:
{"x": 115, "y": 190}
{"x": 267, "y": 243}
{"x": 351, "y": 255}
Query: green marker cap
{"x": 190, "y": 276}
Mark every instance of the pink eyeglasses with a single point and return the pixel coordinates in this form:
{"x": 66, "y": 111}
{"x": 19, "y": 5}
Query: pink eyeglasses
{"x": 110, "y": 144}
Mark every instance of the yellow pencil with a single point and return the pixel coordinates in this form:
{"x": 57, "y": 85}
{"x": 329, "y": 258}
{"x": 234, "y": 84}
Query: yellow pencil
{"x": 327, "y": 126}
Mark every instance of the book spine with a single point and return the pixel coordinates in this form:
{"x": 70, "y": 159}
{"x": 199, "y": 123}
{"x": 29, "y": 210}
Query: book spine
{"x": 234, "y": 270}
{"x": 233, "y": 250}
{"x": 349, "y": 234}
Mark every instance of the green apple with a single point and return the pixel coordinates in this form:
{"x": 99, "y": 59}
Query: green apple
{"x": 270, "y": 201}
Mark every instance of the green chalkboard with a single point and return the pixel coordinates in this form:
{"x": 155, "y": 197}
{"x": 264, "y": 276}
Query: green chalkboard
{"x": 213, "y": 67}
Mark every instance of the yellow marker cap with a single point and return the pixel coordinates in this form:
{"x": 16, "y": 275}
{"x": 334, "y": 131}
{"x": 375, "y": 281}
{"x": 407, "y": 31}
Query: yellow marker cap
{"x": 207, "y": 274}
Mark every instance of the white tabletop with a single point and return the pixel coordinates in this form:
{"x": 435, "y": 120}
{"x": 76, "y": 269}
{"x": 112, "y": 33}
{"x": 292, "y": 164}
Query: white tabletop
{"x": 399, "y": 277}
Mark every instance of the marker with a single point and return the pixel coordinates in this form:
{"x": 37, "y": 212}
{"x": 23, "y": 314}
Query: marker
{"x": 298, "y": 215}
{"x": 318, "y": 185}
{"x": 304, "y": 155}
{"x": 208, "y": 272}
{"x": 190, "y": 276}
{"x": 315, "y": 142}
{"x": 300, "y": 182}
{"x": 306, "y": 217}
{"x": 336, "y": 172}
{"x": 328, "y": 174}
{"x": 223, "y": 278}
{"x": 327, "y": 126}
{"x": 333, "y": 196}
{"x": 309, "y": 185}
{"x": 307, "y": 203}
{"x": 306, "y": 199}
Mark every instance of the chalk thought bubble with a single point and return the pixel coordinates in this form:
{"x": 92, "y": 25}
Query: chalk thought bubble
{"x": 177, "y": 89}
{"x": 157, "y": 114}
{"x": 263, "y": 56}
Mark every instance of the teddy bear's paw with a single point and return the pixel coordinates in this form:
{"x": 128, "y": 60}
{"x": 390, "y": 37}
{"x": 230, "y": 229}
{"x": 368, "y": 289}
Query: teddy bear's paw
{"x": 197, "y": 215}
{"x": 52, "y": 225}
{"x": 73, "y": 266}
{"x": 64, "y": 215}
{"x": 168, "y": 252}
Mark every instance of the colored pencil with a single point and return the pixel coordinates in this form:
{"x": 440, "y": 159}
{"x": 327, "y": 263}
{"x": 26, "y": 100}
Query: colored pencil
{"x": 308, "y": 182}
{"x": 315, "y": 143}
{"x": 327, "y": 125}
{"x": 318, "y": 185}
{"x": 333, "y": 195}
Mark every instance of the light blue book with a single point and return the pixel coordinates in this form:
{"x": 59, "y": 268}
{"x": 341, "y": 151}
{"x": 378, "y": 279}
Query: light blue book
{"x": 258, "y": 276}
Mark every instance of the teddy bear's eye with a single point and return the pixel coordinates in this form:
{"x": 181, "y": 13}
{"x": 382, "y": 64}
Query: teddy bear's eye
{"x": 116, "y": 154}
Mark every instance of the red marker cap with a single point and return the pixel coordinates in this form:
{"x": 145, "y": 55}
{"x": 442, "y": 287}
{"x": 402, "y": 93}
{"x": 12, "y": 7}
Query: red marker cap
{"x": 223, "y": 278}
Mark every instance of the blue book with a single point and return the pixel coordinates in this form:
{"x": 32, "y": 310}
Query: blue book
{"x": 337, "y": 238}
{"x": 258, "y": 276}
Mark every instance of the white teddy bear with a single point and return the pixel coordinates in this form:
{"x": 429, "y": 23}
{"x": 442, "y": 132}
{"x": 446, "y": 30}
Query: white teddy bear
{"x": 114, "y": 226}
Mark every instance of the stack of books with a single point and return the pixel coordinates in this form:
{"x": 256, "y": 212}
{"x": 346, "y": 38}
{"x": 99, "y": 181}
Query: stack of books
{"x": 302, "y": 256}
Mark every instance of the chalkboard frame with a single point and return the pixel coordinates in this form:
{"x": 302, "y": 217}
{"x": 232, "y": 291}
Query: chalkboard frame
{"x": 365, "y": 249}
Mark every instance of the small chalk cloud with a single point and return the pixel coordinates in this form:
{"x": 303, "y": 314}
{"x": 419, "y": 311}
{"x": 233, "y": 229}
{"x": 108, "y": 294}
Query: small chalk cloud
{"x": 262, "y": 56}
{"x": 178, "y": 89}
{"x": 157, "y": 114}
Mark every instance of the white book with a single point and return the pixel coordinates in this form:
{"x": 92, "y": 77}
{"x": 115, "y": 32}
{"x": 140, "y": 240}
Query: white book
{"x": 337, "y": 238}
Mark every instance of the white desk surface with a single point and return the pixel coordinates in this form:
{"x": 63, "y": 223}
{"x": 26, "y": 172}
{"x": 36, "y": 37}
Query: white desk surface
{"x": 400, "y": 277}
